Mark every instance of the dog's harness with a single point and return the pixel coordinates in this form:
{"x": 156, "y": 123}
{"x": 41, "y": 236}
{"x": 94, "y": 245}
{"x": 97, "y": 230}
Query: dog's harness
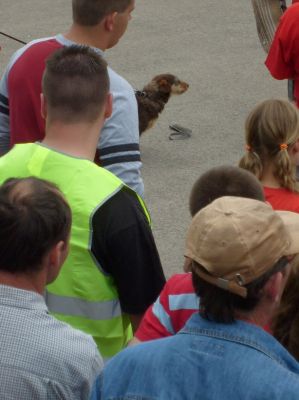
{"x": 140, "y": 93}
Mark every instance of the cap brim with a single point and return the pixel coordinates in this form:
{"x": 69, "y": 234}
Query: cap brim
{"x": 291, "y": 222}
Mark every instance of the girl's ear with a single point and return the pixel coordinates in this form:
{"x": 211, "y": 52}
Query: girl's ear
{"x": 294, "y": 152}
{"x": 296, "y": 146}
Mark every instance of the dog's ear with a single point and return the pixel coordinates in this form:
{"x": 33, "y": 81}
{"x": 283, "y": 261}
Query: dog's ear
{"x": 163, "y": 82}
{"x": 164, "y": 85}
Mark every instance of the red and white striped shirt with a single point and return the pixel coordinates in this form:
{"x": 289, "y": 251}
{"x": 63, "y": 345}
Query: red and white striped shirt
{"x": 172, "y": 309}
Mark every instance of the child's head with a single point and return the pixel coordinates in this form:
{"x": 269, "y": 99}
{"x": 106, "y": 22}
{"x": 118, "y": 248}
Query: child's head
{"x": 272, "y": 132}
{"x": 223, "y": 181}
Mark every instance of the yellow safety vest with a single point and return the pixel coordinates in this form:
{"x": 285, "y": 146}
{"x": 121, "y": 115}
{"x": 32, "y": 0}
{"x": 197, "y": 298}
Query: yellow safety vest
{"x": 82, "y": 295}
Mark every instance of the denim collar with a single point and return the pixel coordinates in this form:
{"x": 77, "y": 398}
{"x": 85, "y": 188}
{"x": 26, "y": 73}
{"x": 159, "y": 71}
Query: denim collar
{"x": 244, "y": 333}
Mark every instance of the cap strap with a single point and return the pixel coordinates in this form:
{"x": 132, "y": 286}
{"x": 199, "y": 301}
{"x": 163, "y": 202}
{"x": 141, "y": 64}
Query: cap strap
{"x": 230, "y": 286}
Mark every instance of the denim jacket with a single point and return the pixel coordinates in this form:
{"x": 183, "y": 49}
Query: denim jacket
{"x": 205, "y": 360}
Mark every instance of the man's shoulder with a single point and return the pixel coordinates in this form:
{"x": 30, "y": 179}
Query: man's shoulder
{"x": 35, "y": 51}
{"x": 46, "y": 353}
{"x": 71, "y": 342}
{"x": 91, "y": 175}
{"x": 48, "y": 346}
{"x": 250, "y": 341}
{"x": 66, "y": 352}
{"x": 101, "y": 183}
{"x": 184, "y": 354}
{"x": 179, "y": 284}
{"x": 123, "y": 205}
{"x": 118, "y": 82}
{"x": 53, "y": 337}
{"x": 126, "y": 200}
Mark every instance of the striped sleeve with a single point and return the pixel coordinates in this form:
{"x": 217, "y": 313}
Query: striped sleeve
{"x": 4, "y": 116}
{"x": 118, "y": 148}
{"x": 156, "y": 322}
{"x": 174, "y": 306}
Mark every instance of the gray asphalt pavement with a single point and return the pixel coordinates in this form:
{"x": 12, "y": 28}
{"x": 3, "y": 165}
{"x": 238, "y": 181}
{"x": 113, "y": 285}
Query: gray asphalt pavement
{"x": 213, "y": 45}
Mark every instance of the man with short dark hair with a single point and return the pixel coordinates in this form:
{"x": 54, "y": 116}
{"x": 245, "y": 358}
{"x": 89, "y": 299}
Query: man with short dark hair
{"x": 239, "y": 250}
{"x": 113, "y": 272}
{"x": 96, "y": 23}
{"x": 41, "y": 358}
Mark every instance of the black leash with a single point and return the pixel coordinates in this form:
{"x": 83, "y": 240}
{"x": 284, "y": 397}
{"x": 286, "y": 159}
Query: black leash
{"x": 179, "y": 132}
{"x": 12, "y": 37}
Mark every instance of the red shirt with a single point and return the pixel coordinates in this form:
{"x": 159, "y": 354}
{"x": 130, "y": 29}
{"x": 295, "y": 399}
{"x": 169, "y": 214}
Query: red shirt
{"x": 175, "y": 305}
{"x": 282, "y": 199}
{"x": 24, "y": 87}
{"x": 283, "y": 57}
{"x": 170, "y": 312}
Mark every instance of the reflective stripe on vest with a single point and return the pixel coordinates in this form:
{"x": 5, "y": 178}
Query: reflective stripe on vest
{"x": 82, "y": 295}
{"x": 82, "y": 308}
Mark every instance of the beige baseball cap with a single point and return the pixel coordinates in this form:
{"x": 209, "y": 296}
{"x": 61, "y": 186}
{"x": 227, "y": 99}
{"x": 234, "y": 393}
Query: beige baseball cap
{"x": 236, "y": 240}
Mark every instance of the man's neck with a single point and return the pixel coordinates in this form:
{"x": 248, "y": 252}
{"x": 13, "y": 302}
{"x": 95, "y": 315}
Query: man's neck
{"x": 22, "y": 281}
{"x": 88, "y": 36}
{"x": 78, "y": 140}
{"x": 260, "y": 316}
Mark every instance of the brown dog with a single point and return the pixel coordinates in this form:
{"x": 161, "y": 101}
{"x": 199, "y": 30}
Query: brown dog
{"x": 153, "y": 97}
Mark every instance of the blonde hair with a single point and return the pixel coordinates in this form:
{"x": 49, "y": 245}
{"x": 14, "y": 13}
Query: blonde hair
{"x": 271, "y": 128}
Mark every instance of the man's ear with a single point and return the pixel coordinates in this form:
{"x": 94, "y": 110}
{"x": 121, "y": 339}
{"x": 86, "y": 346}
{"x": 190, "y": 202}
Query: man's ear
{"x": 274, "y": 287}
{"x": 43, "y": 106}
{"x": 108, "y": 106}
{"x": 187, "y": 264}
{"x": 109, "y": 21}
{"x": 55, "y": 259}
